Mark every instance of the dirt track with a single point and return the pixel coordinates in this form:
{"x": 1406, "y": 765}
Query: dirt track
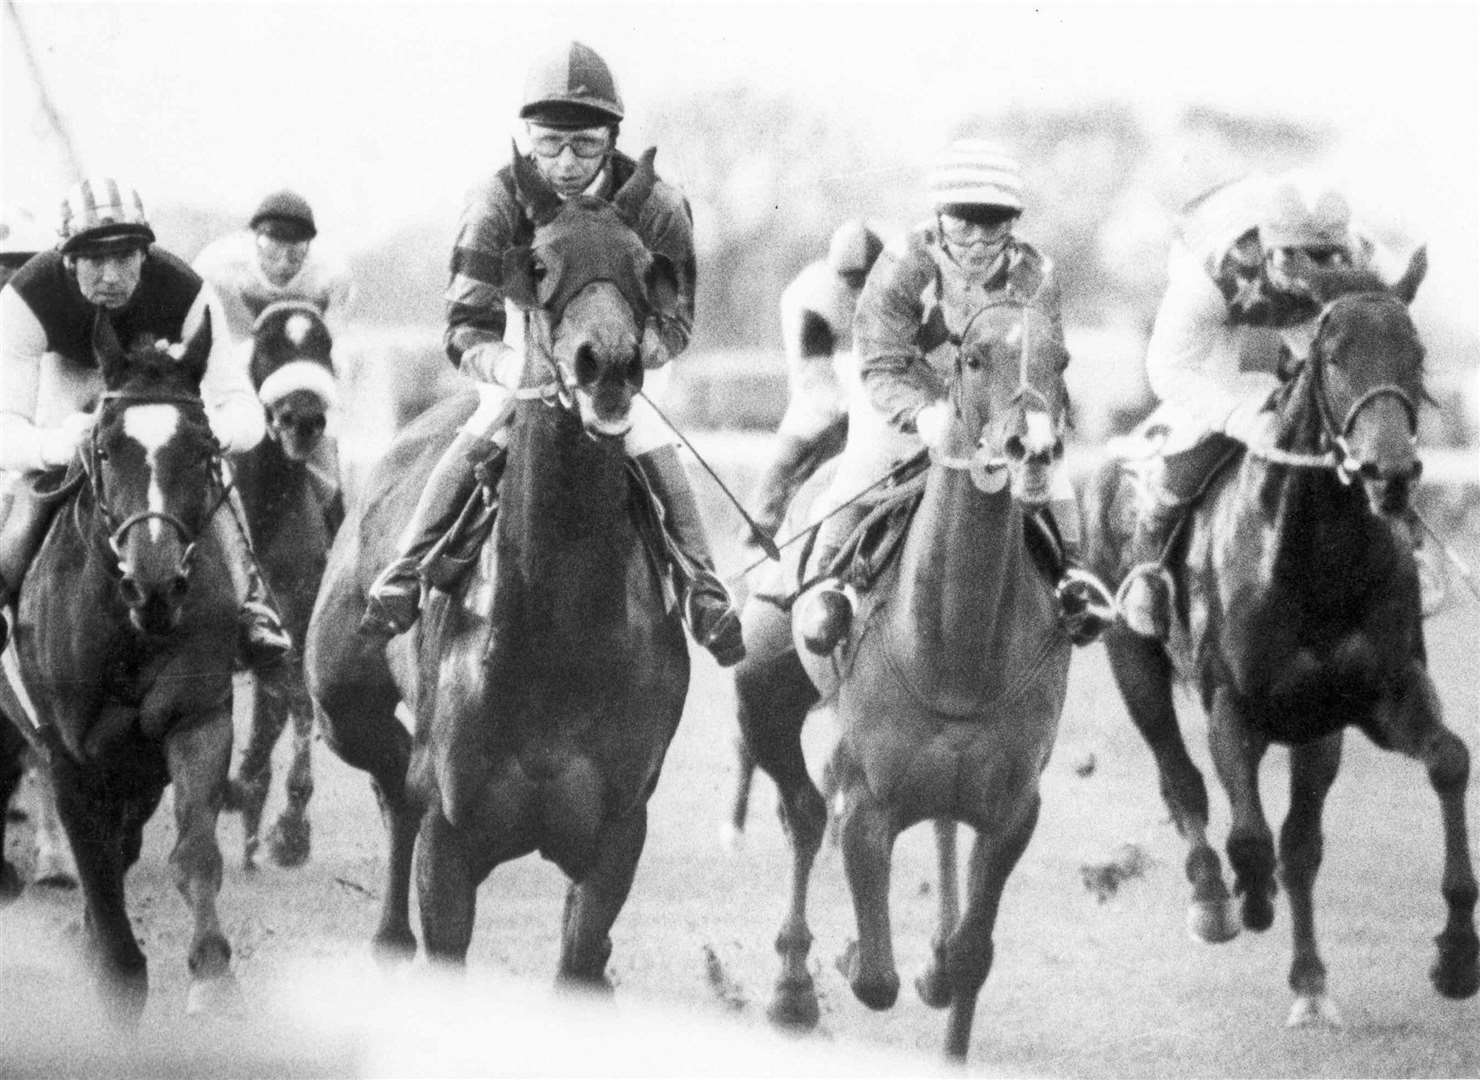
{"x": 1080, "y": 987}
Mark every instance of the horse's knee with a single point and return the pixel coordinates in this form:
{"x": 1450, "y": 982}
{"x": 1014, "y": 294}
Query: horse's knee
{"x": 1449, "y": 764}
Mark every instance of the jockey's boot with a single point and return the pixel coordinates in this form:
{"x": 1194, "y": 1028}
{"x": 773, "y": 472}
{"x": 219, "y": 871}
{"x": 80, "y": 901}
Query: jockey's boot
{"x": 23, "y": 522}
{"x": 1145, "y": 596}
{"x": 262, "y": 641}
{"x": 824, "y": 615}
{"x": 708, "y": 607}
{"x": 1086, "y": 605}
{"x": 395, "y": 596}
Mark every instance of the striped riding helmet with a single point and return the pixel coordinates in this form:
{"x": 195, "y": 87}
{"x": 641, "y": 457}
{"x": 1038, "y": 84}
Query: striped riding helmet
{"x": 101, "y": 213}
{"x": 975, "y": 172}
{"x": 571, "y": 87}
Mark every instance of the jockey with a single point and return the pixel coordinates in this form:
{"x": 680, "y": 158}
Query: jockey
{"x": 275, "y": 259}
{"x": 1235, "y": 299}
{"x": 913, "y": 306}
{"x": 107, "y": 263}
{"x": 817, "y": 334}
{"x": 572, "y": 110}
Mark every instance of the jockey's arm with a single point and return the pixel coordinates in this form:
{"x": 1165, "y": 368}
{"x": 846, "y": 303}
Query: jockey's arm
{"x": 897, "y": 378}
{"x": 1192, "y": 359}
{"x": 232, "y": 407}
{"x": 476, "y": 317}
{"x": 214, "y": 264}
{"x": 26, "y": 446}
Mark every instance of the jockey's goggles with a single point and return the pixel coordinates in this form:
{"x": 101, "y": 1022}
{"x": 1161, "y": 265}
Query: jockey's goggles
{"x": 968, "y": 234}
{"x": 583, "y": 145}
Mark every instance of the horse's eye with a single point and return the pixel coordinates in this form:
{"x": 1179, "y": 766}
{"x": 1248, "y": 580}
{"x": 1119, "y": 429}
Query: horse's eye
{"x": 973, "y": 361}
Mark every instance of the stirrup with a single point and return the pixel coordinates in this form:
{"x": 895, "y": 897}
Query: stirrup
{"x": 1145, "y": 600}
{"x": 710, "y": 612}
{"x": 826, "y": 614}
{"x": 1087, "y": 605}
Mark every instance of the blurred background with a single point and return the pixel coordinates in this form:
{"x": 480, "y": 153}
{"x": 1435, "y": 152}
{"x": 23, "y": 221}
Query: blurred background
{"x": 778, "y": 120}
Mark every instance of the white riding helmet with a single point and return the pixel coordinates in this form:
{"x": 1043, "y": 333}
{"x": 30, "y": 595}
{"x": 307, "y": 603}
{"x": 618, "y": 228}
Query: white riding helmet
{"x": 972, "y": 171}
{"x": 103, "y": 213}
{"x": 1303, "y": 211}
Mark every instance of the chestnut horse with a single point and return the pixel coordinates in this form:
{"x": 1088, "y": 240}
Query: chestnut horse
{"x": 948, "y": 690}
{"x": 546, "y": 691}
{"x": 130, "y": 589}
{"x": 1298, "y": 616}
{"x": 293, "y": 514}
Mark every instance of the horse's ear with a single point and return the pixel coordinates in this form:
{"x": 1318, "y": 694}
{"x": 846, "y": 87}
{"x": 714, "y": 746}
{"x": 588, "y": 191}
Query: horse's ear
{"x": 533, "y": 191}
{"x": 107, "y": 351}
{"x": 197, "y": 350}
{"x": 521, "y": 277}
{"x": 661, "y": 280}
{"x": 1406, "y": 287}
{"x": 634, "y": 194}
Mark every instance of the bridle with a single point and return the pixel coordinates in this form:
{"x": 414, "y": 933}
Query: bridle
{"x": 1025, "y": 396}
{"x": 1335, "y": 435}
{"x": 116, "y": 530}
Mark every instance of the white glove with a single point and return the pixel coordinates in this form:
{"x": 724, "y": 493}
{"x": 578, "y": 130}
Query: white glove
{"x": 1252, "y": 425}
{"x": 932, "y": 423}
{"x": 493, "y": 362}
{"x": 59, "y": 444}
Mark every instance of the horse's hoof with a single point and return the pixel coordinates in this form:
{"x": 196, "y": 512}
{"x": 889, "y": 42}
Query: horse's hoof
{"x": 1258, "y": 911}
{"x": 11, "y": 884}
{"x": 794, "y": 1006}
{"x": 289, "y": 841}
{"x": 218, "y": 995}
{"x": 1455, "y": 973}
{"x": 1208, "y": 921}
{"x": 877, "y": 993}
{"x": 392, "y": 949}
{"x": 1313, "y": 1011}
{"x": 933, "y": 988}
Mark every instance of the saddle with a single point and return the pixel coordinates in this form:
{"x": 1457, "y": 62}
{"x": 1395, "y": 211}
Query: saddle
{"x": 453, "y": 557}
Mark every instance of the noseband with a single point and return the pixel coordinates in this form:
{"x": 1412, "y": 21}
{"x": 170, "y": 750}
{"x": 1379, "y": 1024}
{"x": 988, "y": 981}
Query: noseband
{"x": 117, "y": 530}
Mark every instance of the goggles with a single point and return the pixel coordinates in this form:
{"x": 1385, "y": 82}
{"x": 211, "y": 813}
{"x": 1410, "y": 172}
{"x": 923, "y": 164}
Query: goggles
{"x": 550, "y": 144}
{"x": 961, "y": 233}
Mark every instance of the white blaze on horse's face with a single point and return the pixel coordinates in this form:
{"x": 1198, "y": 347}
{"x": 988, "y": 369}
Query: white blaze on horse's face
{"x": 152, "y": 427}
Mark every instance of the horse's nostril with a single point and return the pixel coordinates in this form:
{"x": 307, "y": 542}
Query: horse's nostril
{"x": 129, "y": 591}
{"x": 1015, "y": 449}
{"x": 179, "y": 587}
{"x": 586, "y": 369}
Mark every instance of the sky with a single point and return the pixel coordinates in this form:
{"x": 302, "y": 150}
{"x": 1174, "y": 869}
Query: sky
{"x": 385, "y": 113}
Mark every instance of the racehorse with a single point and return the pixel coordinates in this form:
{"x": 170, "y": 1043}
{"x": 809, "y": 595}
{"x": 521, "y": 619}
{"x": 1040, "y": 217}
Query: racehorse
{"x": 546, "y": 691}
{"x": 948, "y": 690}
{"x": 292, "y": 514}
{"x": 131, "y": 588}
{"x": 1297, "y": 616}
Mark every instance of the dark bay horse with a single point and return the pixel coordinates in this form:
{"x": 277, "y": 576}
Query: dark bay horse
{"x": 292, "y": 514}
{"x": 546, "y": 691}
{"x": 1298, "y": 616}
{"x": 126, "y": 636}
{"x": 948, "y": 691}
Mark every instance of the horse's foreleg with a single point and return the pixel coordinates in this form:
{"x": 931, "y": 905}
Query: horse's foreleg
{"x": 866, "y": 832}
{"x": 446, "y": 889}
{"x": 967, "y": 957}
{"x": 92, "y": 820}
{"x": 54, "y": 863}
{"x": 593, "y": 903}
{"x": 934, "y": 985}
{"x": 290, "y": 836}
{"x": 199, "y": 761}
{"x": 1143, "y": 674}
{"x": 774, "y": 696}
{"x": 248, "y": 790}
{"x": 1414, "y": 725}
{"x": 1237, "y": 751}
{"x": 733, "y": 828}
{"x": 1313, "y": 768}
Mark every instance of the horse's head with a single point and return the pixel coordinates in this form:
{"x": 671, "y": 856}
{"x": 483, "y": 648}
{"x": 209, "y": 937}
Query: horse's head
{"x": 1010, "y": 398}
{"x": 1365, "y": 373}
{"x": 593, "y": 286}
{"x": 293, "y": 370}
{"x": 153, "y": 468}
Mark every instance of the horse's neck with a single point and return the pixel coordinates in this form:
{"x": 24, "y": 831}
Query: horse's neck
{"x": 967, "y": 594}
{"x": 1316, "y": 522}
{"x": 562, "y": 493}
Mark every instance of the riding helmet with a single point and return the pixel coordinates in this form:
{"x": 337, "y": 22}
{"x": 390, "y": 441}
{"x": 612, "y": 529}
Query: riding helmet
{"x": 571, "y": 87}
{"x": 101, "y": 214}
{"x": 285, "y": 216}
